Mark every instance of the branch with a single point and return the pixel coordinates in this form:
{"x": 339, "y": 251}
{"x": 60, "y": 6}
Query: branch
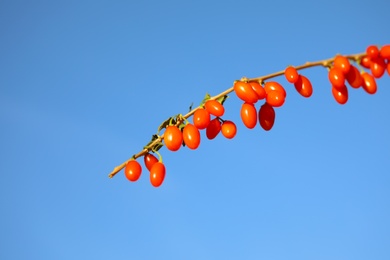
{"x": 324, "y": 63}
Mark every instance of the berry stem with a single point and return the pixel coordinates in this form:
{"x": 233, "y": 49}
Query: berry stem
{"x": 324, "y": 63}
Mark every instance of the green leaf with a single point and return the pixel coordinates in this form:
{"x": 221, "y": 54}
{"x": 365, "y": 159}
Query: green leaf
{"x": 222, "y": 99}
{"x": 154, "y": 137}
{"x": 181, "y": 126}
{"x": 206, "y": 97}
{"x": 157, "y": 146}
{"x": 164, "y": 124}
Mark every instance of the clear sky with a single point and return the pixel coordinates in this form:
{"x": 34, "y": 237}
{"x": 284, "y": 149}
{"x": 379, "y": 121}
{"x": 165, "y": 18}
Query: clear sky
{"x": 85, "y": 84}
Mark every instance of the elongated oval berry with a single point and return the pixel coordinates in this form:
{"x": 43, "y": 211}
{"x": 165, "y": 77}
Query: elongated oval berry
{"x": 369, "y": 83}
{"x": 258, "y": 89}
{"x": 133, "y": 170}
{"x": 342, "y": 63}
{"x": 275, "y": 98}
{"x": 388, "y": 67}
{"x": 249, "y": 115}
{"x": 377, "y": 67}
{"x": 336, "y": 77}
{"x": 157, "y": 174}
{"x": 365, "y": 62}
{"x": 273, "y": 85}
{"x": 173, "y": 138}
{"x": 303, "y": 86}
{"x": 149, "y": 160}
{"x": 201, "y": 118}
{"x": 291, "y": 74}
{"x": 245, "y": 92}
{"x": 340, "y": 94}
{"x": 354, "y": 78}
{"x": 266, "y": 116}
{"x": 213, "y": 129}
{"x": 229, "y": 129}
{"x": 372, "y": 51}
{"x": 385, "y": 52}
{"x": 214, "y": 107}
{"x": 191, "y": 136}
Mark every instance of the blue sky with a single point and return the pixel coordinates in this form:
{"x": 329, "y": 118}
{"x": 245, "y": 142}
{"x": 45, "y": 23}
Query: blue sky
{"x": 84, "y": 85}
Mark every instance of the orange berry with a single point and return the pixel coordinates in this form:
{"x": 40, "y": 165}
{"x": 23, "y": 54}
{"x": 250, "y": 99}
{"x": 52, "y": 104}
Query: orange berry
{"x": 366, "y": 62}
{"x": 273, "y": 85}
{"x": 385, "y": 52}
{"x": 377, "y": 67}
{"x": 201, "y": 118}
{"x": 291, "y": 74}
{"x": 249, "y": 115}
{"x": 258, "y": 89}
{"x": 133, "y": 170}
{"x": 372, "y": 51}
{"x": 157, "y": 174}
{"x": 275, "y": 98}
{"x": 342, "y": 63}
{"x": 369, "y": 83}
{"x": 336, "y": 77}
{"x": 388, "y": 67}
{"x": 229, "y": 129}
{"x": 214, "y": 107}
{"x": 191, "y": 136}
{"x": 245, "y": 92}
{"x": 173, "y": 138}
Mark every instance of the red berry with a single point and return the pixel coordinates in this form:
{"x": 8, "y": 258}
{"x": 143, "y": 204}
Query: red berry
{"x": 266, "y": 116}
{"x": 149, "y": 160}
{"x": 303, "y": 86}
{"x": 213, "y": 129}
{"x": 354, "y": 77}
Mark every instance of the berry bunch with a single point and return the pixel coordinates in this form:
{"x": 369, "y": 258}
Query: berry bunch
{"x": 341, "y": 71}
{"x": 178, "y": 131}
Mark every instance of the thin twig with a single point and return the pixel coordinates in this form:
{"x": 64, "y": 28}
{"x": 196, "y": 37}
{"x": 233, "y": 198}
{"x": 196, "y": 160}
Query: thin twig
{"x": 323, "y": 63}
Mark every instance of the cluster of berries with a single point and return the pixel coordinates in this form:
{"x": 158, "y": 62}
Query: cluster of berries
{"x": 180, "y": 132}
{"x": 207, "y": 116}
{"x": 274, "y": 95}
{"x": 342, "y": 71}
